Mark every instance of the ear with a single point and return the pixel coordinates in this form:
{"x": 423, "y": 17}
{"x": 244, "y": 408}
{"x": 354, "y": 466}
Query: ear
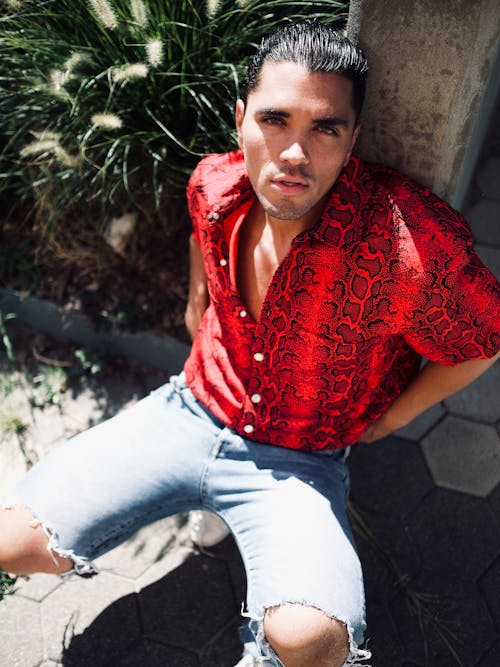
{"x": 355, "y": 133}
{"x": 239, "y": 115}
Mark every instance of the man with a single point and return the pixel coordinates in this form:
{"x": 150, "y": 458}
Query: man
{"x": 317, "y": 282}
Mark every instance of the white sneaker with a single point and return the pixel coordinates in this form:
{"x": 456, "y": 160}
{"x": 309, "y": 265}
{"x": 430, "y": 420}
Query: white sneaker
{"x": 206, "y": 529}
{"x": 248, "y": 660}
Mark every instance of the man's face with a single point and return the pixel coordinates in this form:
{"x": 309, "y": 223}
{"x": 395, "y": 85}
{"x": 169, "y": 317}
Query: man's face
{"x": 297, "y": 132}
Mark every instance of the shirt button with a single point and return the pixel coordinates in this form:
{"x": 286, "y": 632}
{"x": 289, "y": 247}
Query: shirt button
{"x": 248, "y": 428}
{"x": 215, "y": 215}
{"x": 258, "y": 356}
{"x": 223, "y": 262}
{"x": 256, "y": 398}
{"x": 243, "y": 313}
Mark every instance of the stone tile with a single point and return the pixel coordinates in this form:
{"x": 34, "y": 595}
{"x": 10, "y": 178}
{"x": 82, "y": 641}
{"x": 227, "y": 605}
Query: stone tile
{"x": 417, "y": 428}
{"x": 453, "y": 620}
{"x": 490, "y": 258}
{"x": 487, "y": 177}
{"x": 388, "y": 555}
{"x": 163, "y": 567}
{"x": 382, "y": 636}
{"x": 21, "y": 642}
{"x": 456, "y": 534}
{"x": 463, "y": 456}
{"x": 491, "y": 658}
{"x": 38, "y": 586}
{"x": 389, "y": 476}
{"x": 12, "y": 464}
{"x": 225, "y": 647}
{"x": 484, "y": 219}
{"x": 149, "y": 653}
{"x": 494, "y": 501}
{"x": 489, "y": 584}
{"x": 190, "y": 604}
{"x": 148, "y": 546}
{"x": 88, "y": 621}
{"x": 480, "y": 400}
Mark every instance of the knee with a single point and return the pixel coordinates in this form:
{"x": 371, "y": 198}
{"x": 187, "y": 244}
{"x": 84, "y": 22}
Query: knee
{"x": 306, "y": 637}
{"x": 23, "y": 545}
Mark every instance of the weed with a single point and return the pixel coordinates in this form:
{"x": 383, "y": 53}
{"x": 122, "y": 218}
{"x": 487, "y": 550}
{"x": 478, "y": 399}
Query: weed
{"x": 7, "y": 584}
{"x": 49, "y": 386}
{"x": 4, "y": 318}
{"x": 110, "y": 104}
{"x": 91, "y": 362}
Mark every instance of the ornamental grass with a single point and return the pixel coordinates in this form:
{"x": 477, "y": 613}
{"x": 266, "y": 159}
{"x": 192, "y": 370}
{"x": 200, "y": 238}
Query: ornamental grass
{"x": 107, "y": 105}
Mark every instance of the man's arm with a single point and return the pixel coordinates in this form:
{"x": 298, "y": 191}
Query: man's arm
{"x": 433, "y": 384}
{"x": 198, "y": 292}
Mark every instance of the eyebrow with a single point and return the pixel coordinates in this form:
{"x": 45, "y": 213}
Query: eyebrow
{"x": 326, "y": 120}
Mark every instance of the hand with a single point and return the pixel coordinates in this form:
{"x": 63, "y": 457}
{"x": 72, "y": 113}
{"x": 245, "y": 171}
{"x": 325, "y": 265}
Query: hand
{"x": 378, "y": 429}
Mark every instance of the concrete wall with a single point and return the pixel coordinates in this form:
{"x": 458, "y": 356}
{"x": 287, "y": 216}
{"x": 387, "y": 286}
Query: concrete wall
{"x": 430, "y": 62}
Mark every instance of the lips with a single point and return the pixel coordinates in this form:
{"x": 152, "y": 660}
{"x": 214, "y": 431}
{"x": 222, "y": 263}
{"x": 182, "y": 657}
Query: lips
{"x": 289, "y": 187}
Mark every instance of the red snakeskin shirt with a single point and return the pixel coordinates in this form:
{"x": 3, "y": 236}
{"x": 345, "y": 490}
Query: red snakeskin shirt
{"x": 387, "y": 276}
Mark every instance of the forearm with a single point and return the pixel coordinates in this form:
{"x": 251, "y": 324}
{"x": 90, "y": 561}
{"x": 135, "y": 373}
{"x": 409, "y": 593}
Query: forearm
{"x": 433, "y": 384}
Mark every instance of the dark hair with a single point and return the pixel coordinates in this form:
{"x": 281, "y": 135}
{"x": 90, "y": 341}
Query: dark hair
{"x": 319, "y": 48}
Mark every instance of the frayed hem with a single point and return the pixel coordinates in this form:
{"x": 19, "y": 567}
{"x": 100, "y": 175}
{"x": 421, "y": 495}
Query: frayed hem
{"x": 268, "y": 657}
{"x": 82, "y": 566}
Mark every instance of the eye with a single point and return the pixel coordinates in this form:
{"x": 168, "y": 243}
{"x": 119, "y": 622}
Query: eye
{"x": 272, "y": 120}
{"x": 328, "y": 130}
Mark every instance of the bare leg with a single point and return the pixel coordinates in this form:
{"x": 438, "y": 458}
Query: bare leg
{"x": 23, "y": 545}
{"x": 303, "y": 636}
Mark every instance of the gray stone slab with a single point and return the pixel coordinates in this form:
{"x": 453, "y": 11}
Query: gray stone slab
{"x": 90, "y": 619}
{"x": 160, "y": 351}
{"x": 490, "y": 257}
{"x": 488, "y": 177}
{"x": 188, "y": 606}
{"x": 453, "y": 623}
{"x": 463, "y": 456}
{"x": 481, "y": 399}
{"x": 149, "y": 653}
{"x": 417, "y": 428}
{"x": 21, "y": 642}
{"x": 148, "y": 546}
{"x": 456, "y": 534}
{"x": 12, "y": 464}
{"x": 484, "y": 219}
{"x": 38, "y": 586}
{"x": 389, "y": 476}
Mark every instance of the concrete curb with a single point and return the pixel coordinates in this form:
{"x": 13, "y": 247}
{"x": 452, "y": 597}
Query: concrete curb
{"x": 162, "y": 352}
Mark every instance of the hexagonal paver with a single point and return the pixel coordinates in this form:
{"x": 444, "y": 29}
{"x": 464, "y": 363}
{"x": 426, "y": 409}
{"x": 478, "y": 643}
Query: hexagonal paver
{"x": 487, "y": 177}
{"x": 389, "y": 476}
{"x": 224, "y": 648}
{"x": 490, "y": 587}
{"x": 149, "y": 653}
{"x": 484, "y": 219}
{"x": 148, "y": 546}
{"x": 37, "y": 586}
{"x": 417, "y": 428}
{"x": 452, "y": 619}
{"x": 88, "y": 621}
{"x": 456, "y": 534}
{"x": 494, "y": 502}
{"x": 388, "y": 540}
{"x": 382, "y": 636}
{"x": 490, "y": 258}
{"x": 21, "y": 642}
{"x": 463, "y": 456}
{"x": 480, "y": 400}
{"x": 490, "y": 659}
{"x": 190, "y": 604}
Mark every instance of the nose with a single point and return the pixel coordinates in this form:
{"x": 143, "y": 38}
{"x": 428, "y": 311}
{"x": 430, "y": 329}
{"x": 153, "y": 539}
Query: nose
{"x": 295, "y": 153}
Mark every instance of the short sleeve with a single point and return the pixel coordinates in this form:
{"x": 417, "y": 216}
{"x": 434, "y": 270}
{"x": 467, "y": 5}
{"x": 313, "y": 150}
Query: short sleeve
{"x": 457, "y": 316}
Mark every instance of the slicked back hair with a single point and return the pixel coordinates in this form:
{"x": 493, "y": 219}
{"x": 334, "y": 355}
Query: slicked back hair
{"x": 316, "y": 46}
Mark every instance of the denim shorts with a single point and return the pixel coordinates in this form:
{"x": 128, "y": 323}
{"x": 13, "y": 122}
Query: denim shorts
{"x": 167, "y": 454}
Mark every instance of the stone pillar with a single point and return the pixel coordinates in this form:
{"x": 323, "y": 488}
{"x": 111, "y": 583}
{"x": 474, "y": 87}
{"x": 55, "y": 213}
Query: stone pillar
{"x": 429, "y": 64}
